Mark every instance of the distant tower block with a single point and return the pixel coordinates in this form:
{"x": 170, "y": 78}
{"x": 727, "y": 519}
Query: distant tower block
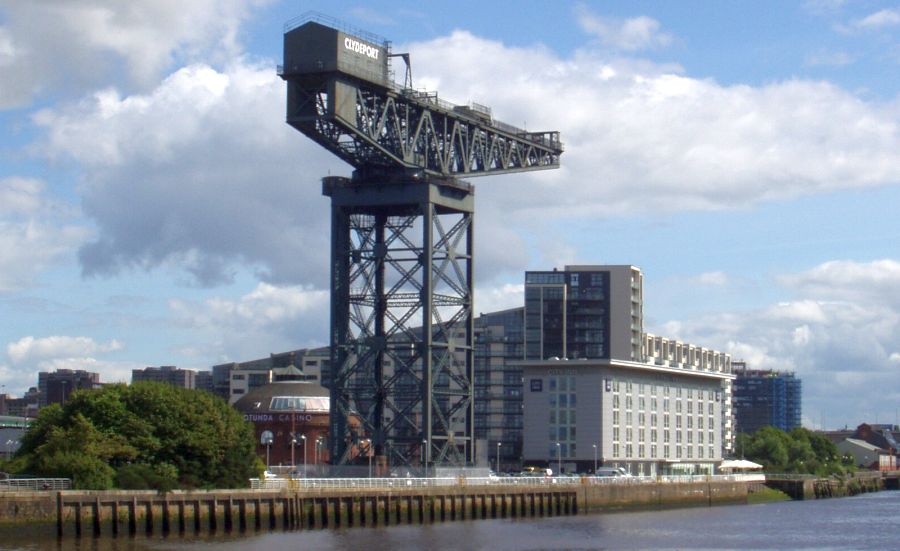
{"x": 402, "y": 356}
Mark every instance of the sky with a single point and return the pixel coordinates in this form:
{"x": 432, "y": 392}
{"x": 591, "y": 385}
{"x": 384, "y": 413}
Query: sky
{"x": 155, "y": 209}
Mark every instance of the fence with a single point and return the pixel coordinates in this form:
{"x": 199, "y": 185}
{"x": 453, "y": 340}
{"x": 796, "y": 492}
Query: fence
{"x": 532, "y": 481}
{"x": 48, "y": 484}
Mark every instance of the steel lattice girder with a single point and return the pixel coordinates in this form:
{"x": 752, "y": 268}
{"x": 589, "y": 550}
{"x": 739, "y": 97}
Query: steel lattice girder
{"x": 402, "y": 320}
{"x": 405, "y": 129}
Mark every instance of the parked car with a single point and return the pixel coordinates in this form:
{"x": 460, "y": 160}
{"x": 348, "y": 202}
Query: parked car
{"x": 612, "y": 472}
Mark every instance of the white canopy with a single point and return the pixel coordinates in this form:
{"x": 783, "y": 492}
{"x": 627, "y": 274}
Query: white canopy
{"x": 739, "y": 464}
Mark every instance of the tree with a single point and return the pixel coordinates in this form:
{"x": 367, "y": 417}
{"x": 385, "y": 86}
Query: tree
{"x": 147, "y": 435}
{"x": 800, "y": 451}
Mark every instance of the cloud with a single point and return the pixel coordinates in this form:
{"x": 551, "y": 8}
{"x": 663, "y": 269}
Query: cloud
{"x": 36, "y": 232}
{"x": 268, "y": 318}
{"x": 33, "y": 349}
{"x": 642, "y": 137}
{"x": 64, "y": 46}
{"x": 223, "y": 183}
{"x": 30, "y": 355}
{"x": 202, "y": 173}
{"x": 838, "y": 333}
{"x": 876, "y": 282}
{"x": 829, "y": 59}
{"x": 637, "y": 33}
{"x": 878, "y": 20}
{"x": 712, "y": 279}
{"x": 502, "y": 297}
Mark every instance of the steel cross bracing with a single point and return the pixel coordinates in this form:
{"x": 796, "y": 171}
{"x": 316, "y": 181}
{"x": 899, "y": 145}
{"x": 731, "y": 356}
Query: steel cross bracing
{"x": 404, "y": 370}
{"x": 415, "y": 130}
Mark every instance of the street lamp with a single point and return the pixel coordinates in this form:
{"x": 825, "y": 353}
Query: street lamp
{"x": 303, "y": 437}
{"x": 595, "y": 458}
{"x": 425, "y": 456}
{"x": 498, "y": 456}
{"x": 266, "y": 438}
{"x": 293, "y": 443}
{"x": 558, "y": 459}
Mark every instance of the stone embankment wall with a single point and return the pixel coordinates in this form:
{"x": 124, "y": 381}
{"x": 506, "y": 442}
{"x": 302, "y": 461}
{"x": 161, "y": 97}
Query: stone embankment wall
{"x": 120, "y": 512}
{"x": 819, "y": 488}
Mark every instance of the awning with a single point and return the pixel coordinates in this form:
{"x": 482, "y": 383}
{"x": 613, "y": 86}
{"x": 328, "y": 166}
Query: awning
{"x": 739, "y": 464}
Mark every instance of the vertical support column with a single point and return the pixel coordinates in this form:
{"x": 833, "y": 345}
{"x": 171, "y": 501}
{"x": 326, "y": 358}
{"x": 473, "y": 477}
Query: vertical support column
{"x": 470, "y": 339}
{"x": 340, "y": 328}
{"x": 95, "y": 516}
{"x": 166, "y": 519}
{"x": 148, "y": 516}
{"x": 114, "y": 512}
{"x": 242, "y": 515}
{"x": 182, "y": 522}
{"x": 213, "y": 514}
{"x": 59, "y": 514}
{"x": 198, "y": 513}
{"x": 273, "y": 519}
{"x": 427, "y": 301}
{"x": 78, "y": 519}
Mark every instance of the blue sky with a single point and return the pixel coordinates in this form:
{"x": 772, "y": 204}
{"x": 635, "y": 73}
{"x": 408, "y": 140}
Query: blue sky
{"x": 156, "y": 210}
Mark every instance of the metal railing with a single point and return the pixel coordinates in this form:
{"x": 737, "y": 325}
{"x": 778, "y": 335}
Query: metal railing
{"x": 45, "y": 484}
{"x": 401, "y": 483}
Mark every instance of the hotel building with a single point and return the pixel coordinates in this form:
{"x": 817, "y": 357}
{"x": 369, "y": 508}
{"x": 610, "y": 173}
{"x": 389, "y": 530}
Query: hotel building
{"x": 599, "y": 391}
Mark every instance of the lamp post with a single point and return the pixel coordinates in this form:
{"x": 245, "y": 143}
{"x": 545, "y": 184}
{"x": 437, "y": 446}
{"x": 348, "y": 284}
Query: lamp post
{"x": 303, "y": 437}
{"x": 425, "y": 456}
{"x": 266, "y": 438}
{"x": 595, "y": 458}
{"x": 498, "y": 456}
{"x": 558, "y": 459}
{"x": 368, "y": 442}
{"x": 293, "y": 443}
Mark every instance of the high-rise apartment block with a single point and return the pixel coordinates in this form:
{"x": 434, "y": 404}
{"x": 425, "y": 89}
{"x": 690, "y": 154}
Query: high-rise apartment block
{"x": 766, "y": 398}
{"x": 55, "y": 387}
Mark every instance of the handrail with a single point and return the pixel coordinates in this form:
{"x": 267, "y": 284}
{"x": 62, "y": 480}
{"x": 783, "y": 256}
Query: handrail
{"x": 401, "y": 483}
{"x": 45, "y": 484}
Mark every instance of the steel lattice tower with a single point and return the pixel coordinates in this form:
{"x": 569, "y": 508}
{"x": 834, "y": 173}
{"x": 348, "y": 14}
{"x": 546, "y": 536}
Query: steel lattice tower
{"x": 402, "y": 350}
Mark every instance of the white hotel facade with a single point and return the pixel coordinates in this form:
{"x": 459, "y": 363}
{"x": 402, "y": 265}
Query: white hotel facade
{"x": 598, "y": 390}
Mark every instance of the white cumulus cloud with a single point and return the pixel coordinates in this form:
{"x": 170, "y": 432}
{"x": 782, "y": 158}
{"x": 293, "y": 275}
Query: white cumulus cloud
{"x": 636, "y": 33}
{"x": 36, "y": 231}
{"x": 65, "y": 46}
{"x": 839, "y": 339}
{"x": 58, "y": 346}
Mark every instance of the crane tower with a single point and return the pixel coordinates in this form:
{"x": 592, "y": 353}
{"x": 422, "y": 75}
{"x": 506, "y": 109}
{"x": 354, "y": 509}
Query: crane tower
{"x": 402, "y": 241}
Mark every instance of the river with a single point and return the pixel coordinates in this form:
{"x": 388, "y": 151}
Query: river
{"x": 866, "y": 521}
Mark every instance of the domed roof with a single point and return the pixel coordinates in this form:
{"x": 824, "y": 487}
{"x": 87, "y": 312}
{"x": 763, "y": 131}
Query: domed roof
{"x": 285, "y": 397}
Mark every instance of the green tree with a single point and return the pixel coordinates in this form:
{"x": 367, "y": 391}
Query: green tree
{"x": 800, "y": 451}
{"x": 147, "y": 435}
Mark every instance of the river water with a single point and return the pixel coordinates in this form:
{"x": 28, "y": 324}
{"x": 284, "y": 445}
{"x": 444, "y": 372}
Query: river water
{"x": 867, "y": 521}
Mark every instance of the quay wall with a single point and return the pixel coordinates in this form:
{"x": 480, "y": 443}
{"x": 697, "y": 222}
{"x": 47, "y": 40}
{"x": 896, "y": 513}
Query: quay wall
{"x": 819, "y": 488}
{"x": 131, "y": 512}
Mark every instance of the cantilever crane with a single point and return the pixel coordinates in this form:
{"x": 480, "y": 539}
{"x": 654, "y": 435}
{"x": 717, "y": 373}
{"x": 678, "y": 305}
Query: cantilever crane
{"x": 401, "y": 375}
